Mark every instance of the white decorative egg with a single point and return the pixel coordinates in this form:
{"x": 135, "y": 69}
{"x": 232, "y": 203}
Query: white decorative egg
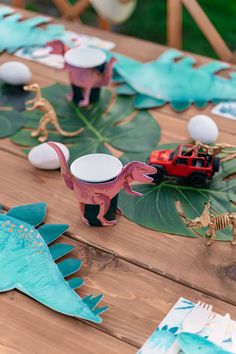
{"x": 44, "y": 157}
{"x": 15, "y": 73}
{"x": 203, "y": 128}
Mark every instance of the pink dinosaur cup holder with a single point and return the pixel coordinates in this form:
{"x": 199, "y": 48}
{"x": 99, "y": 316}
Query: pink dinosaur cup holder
{"x": 96, "y": 180}
{"x": 97, "y": 169}
{"x": 86, "y": 67}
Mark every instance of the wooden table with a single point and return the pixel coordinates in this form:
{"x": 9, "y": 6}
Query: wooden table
{"x": 142, "y": 273}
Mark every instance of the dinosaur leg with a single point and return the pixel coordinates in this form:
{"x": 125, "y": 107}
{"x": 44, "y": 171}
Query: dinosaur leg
{"x": 38, "y": 130}
{"x": 69, "y": 96}
{"x": 86, "y": 96}
{"x": 234, "y": 232}
{"x": 29, "y": 102}
{"x": 128, "y": 189}
{"x": 104, "y": 203}
{"x": 228, "y": 158}
{"x": 81, "y": 209}
{"x": 43, "y": 129}
{"x": 212, "y": 234}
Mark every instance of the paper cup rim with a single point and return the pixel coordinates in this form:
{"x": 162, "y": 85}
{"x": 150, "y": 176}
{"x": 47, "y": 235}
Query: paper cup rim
{"x": 96, "y": 173}
{"x": 85, "y": 57}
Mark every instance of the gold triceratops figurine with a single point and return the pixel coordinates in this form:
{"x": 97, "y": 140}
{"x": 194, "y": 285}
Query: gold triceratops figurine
{"x": 50, "y": 117}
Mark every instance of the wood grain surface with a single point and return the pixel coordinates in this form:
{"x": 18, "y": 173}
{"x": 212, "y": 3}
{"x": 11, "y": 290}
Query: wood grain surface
{"x": 141, "y": 273}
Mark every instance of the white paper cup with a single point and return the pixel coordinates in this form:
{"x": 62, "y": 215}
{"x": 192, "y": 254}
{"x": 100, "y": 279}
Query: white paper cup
{"x": 96, "y": 168}
{"x": 85, "y": 57}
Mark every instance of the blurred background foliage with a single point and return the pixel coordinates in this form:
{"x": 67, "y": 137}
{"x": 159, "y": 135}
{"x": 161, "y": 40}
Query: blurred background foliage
{"x": 149, "y": 22}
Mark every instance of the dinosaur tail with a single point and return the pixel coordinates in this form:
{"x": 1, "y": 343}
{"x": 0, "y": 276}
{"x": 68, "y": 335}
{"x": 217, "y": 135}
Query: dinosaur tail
{"x": 44, "y": 280}
{"x": 52, "y": 290}
{"x": 65, "y": 133}
{"x": 65, "y": 171}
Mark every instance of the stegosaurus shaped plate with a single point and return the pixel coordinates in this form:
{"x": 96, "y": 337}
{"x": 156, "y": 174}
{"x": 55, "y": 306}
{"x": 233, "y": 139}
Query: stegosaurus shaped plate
{"x": 28, "y": 264}
{"x": 173, "y": 79}
{"x": 16, "y": 34}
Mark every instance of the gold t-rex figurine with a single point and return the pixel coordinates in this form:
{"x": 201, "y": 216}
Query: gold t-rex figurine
{"x": 49, "y": 117}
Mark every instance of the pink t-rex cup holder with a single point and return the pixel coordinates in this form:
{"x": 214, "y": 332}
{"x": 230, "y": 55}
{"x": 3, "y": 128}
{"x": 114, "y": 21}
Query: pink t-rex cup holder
{"x": 88, "y": 72}
{"x": 96, "y": 180}
{"x": 97, "y": 169}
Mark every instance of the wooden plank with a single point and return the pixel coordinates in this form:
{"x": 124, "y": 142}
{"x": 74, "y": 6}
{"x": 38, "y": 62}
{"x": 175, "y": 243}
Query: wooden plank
{"x": 18, "y": 3}
{"x": 77, "y": 9}
{"x": 174, "y": 23}
{"x": 138, "y": 300}
{"x": 63, "y": 6}
{"x": 224, "y": 124}
{"x": 208, "y": 29}
{"x": 28, "y": 327}
{"x": 21, "y": 183}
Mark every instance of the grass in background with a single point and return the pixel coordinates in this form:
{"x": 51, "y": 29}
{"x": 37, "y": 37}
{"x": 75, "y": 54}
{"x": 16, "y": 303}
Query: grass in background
{"x": 149, "y": 22}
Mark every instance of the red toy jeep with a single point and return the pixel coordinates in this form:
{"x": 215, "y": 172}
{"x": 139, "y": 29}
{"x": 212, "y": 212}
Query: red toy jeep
{"x": 188, "y": 161}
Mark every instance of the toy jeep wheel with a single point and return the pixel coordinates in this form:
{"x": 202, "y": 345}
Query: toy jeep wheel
{"x": 216, "y": 164}
{"x": 198, "y": 180}
{"x": 158, "y": 177}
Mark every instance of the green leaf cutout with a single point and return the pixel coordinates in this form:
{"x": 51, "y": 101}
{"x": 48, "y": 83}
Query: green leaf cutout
{"x": 113, "y": 121}
{"x": 161, "y": 206}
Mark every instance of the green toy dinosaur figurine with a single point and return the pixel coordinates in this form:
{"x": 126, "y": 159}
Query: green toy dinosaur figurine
{"x": 27, "y": 263}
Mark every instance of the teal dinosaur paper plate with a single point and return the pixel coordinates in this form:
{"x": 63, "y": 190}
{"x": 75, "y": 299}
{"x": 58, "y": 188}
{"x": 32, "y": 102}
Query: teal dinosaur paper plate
{"x": 173, "y": 78}
{"x": 27, "y": 263}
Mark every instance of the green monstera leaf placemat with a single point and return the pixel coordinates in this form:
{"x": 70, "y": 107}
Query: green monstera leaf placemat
{"x": 13, "y": 96}
{"x": 166, "y": 207}
{"x": 10, "y": 123}
{"x": 113, "y": 121}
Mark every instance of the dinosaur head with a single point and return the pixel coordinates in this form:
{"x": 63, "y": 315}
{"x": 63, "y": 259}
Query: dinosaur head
{"x": 194, "y": 223}
{"x": 203, "y": 220}
{"x": 32, "y": 87}
{"x": 139, "y": 172}
{"x": 207, "y": 205}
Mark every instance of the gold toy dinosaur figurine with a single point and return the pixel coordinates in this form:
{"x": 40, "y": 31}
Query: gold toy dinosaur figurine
{"x": 221, "y": 149}
{"x": 214, "y": 222}
{"x": 216, "y": 149}
{"x": 50, "y": 116}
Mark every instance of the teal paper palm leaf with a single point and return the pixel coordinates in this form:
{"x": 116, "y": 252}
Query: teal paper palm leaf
{"x": 173, "y": 79}
{"x": 113, "y": 122}
{"x": 16, "y": 34}
{"x": 27, "y": 263}
{"x": 165, "y": 207}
